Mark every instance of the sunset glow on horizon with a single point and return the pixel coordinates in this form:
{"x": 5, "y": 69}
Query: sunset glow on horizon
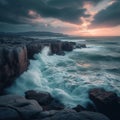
{"x": 73, "y": 17}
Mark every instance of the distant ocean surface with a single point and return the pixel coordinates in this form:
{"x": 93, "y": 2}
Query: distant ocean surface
{"x": 69, "y": 78}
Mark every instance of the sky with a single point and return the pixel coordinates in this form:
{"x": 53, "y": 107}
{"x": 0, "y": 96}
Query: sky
{"x": 73, "y": 17}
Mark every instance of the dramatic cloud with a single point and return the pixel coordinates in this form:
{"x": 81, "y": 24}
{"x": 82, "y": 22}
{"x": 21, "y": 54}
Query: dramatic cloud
{"x": 71, "y": 3}
{"x": 78, "y": 17}
{"x": 109, "y": 17}
{"x": 17, "y": 11}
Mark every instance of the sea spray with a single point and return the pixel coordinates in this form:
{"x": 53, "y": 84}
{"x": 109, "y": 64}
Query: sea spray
{"x": 70, "y": 77}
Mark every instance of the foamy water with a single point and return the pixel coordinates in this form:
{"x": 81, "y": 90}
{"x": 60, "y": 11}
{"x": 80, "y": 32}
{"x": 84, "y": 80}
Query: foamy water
{"x": 69, "y": 78}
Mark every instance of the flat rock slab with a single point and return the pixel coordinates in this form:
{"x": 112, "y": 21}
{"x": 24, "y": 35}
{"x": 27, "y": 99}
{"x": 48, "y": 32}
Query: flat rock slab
{"x": 7, "y": 113}
{"x": 72, "y": 115}
{"x": 20, "y": 105}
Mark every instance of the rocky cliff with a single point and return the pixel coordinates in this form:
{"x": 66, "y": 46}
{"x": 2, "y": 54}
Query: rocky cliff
{"x": 13, "y": 61}
{"x": 15, "y": 53}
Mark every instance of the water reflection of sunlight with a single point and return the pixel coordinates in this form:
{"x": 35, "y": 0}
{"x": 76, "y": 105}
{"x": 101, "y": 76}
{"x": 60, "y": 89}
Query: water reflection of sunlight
{"x": 85, "y": 65}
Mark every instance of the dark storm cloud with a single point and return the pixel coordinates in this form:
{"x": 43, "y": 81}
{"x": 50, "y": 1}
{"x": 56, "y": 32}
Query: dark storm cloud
{"x": 16, "y": 11}
{"x": 72, "y": 3}
{"x": 108, "y": 17}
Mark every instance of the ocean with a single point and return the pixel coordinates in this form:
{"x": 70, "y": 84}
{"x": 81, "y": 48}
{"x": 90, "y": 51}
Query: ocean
{"x": 69, "y": 78}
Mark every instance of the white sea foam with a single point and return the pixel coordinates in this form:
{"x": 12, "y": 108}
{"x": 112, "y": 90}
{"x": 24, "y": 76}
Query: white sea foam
{"x": 66, "y": 78}
{"x": 90, "y": 48}
{"x": 74, "y": 40}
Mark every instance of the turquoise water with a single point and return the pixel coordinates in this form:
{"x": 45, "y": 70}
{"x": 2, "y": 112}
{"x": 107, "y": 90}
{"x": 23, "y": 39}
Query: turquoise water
{"x": 69, "y": 78}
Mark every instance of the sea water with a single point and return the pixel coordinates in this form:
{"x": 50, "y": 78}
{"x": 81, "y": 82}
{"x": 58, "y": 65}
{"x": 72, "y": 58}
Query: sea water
{"x": 69, "y": 78}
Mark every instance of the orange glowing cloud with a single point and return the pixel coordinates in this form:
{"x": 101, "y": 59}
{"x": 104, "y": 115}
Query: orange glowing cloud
{"x": 97, "y": 32}
{"x": 78, "y": 29}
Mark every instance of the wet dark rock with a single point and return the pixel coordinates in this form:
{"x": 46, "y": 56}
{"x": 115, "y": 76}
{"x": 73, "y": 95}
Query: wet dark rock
{"x": 55, "y": 48}
{"x": 54, "y": 105}
{"x": 67, "y": 46}
{"x": 15, "y": 52}
{"x": 45, "y": 114}
{"x": 119, "y": 101}
{"x": 69, "y": 114}
{"x": 106, "y": 102}
{"x": 17, "y": 107}
{"x": 79, "y": 108}
{"x": 13, "y": 62}
{"x": 91, "y": 107}
{"x": 33, "y": 48}
{"x": 93, "y": 116}
{"x": 59, "y": 47}
{"x": 7, "y": 113}
{"x": 79, "y": 45}
{"x": 103, "y": 96}
{"x": 14, "y": 107}
{"x": 43, "y": 98}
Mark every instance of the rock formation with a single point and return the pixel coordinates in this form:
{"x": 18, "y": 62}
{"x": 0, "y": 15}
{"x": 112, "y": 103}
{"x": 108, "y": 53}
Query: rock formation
{"x": 44, "y": 99}
{"x": 14, "y": 107}
{"x": 106, "y": 102}
{"x": 15, "y": 53}
{"x": 13, "y": 62}
{"x": 68, "y": 114}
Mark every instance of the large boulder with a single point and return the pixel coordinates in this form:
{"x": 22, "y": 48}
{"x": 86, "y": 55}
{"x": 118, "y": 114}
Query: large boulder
{"x": 54, "y": 105}
{"x": 106, "y": 102}
{"x": 18, "y": 107}
{"x": 43, "y": 98}
{"x": 79, "y": 108}
{"x": 68, "y": 114}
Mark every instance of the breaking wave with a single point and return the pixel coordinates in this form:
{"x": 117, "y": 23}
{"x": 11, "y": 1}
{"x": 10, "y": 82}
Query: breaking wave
{"x": 69, "y": 78}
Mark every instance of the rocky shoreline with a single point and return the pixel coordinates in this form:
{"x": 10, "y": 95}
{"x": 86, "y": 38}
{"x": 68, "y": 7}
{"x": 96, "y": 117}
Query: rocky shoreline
{"x": 42, "y": 106}
{"x": 15, "y": 53}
